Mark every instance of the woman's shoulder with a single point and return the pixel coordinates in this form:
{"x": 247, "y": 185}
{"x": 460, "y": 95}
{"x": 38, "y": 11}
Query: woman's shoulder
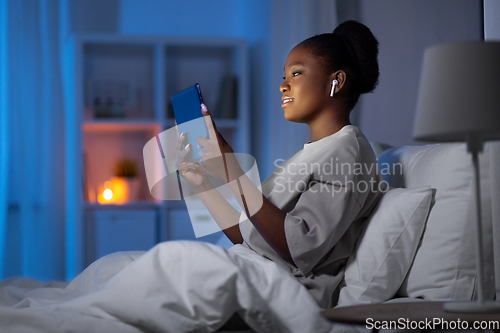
{"x": 348, "y": 141}
{"x": 355, "y": 147}
{"x": 348, "y": 145}
{"x": 351, "y": 134}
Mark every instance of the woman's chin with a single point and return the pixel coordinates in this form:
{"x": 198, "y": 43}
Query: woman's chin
{"x": 292, "y": 118}
{"x": 289, "y": 116}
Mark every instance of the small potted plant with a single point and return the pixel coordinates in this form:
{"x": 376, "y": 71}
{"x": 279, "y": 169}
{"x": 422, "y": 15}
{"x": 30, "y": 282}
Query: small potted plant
{"x": 125, "y": 180}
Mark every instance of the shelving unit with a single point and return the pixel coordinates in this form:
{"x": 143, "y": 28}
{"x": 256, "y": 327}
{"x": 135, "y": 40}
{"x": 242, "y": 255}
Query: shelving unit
{"x": 119, "y": 90}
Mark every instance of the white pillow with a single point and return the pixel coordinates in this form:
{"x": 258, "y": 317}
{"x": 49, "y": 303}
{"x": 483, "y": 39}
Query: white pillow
{"x": 386, "y": 247}
{"x": 444, "y": 266}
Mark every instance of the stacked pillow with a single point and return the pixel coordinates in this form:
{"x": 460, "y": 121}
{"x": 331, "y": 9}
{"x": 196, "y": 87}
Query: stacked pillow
{"x": 418, "y": 256}
{"x": 445, "y": 266}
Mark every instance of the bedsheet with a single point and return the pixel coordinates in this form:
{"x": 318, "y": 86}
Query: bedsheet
{"x": 178, "y": 286}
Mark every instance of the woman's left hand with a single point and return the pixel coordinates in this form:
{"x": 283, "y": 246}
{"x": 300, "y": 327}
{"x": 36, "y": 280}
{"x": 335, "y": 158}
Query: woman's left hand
{"x": 217, "y": 156}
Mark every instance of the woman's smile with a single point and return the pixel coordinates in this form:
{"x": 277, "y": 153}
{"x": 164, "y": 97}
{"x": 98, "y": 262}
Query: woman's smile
{"x": 285, "y": 100}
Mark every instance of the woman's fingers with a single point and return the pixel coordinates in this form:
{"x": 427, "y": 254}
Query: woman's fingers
{"x": 182, "y": 156}
{"x": 180, "y": 142}
{"x": 188, "y": 166}
{"x": 205, "y": 112}
{"x": 209, "y": 122}
{"x": 213, "y": 132}
{"x": 203, "y": 142}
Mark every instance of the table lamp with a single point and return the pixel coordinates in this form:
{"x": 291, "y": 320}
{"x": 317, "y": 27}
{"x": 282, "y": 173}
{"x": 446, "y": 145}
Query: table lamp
{"x": 459, "y": 100}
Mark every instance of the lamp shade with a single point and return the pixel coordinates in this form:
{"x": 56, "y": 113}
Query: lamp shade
{"x": 459, "y": 92}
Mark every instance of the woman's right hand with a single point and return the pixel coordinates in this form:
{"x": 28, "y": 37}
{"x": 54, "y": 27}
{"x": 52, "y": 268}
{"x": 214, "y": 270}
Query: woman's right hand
{"x": 191, "y": 171}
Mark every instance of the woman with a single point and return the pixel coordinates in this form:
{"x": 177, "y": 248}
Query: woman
{"x": 312, "y": 207}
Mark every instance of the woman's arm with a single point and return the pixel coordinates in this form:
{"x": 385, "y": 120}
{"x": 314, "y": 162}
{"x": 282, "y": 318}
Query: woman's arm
{"x": 223, "y": 213}
{"x": 268, "y": 219}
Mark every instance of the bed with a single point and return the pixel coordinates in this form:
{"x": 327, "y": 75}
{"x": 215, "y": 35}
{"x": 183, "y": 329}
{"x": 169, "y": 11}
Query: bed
{"x": 416, "y": 244}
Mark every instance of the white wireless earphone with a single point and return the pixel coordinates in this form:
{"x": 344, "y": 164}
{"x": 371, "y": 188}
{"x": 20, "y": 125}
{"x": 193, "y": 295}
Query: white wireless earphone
{"x": 334, "y": 83}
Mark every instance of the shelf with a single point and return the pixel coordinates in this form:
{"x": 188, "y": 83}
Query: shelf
{"x": 140, "y": 204}
{"x": 118, "y": 125}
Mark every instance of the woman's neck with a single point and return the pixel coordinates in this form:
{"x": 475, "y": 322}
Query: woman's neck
{"x": 327, "y": 125}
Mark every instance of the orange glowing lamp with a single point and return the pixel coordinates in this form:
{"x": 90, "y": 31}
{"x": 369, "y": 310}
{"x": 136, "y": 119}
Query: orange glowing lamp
{"x": 114, "y": 191}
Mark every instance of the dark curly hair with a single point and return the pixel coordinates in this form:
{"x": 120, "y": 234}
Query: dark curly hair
{"x": 353, "y": 48}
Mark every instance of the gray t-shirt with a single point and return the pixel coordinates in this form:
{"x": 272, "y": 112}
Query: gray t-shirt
{"x": 327, "y": 189}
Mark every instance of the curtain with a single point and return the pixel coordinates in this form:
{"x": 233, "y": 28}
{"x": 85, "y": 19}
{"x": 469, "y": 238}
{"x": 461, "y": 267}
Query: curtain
{"x": 32, "y": 155}
{"x": 4, "y": 131}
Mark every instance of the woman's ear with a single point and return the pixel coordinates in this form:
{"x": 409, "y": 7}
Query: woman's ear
{"x": 337, "y": 81}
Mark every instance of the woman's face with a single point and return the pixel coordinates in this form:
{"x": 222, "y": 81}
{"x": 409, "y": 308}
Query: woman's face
{"x": 306, "y": 86}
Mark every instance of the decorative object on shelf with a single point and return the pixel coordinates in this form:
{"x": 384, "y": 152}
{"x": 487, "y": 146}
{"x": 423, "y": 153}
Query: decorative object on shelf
{"x": 125, "y": 167}
{"x": 123, "y": 187}
{"x": 459, "y": 101}
{"x": 101, "y": 110}
{"x": 106, "y": 195}
{"x": 125, "y": 182}
{"x": 110, "y": 98}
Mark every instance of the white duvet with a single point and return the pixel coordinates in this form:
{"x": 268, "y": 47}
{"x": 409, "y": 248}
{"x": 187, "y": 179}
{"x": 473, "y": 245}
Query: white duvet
{"x": 175, "y": 287}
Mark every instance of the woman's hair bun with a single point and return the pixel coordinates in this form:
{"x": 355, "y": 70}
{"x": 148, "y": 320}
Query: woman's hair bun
{"x": 352, "y": 48}
{"x": 363, "y": 48}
